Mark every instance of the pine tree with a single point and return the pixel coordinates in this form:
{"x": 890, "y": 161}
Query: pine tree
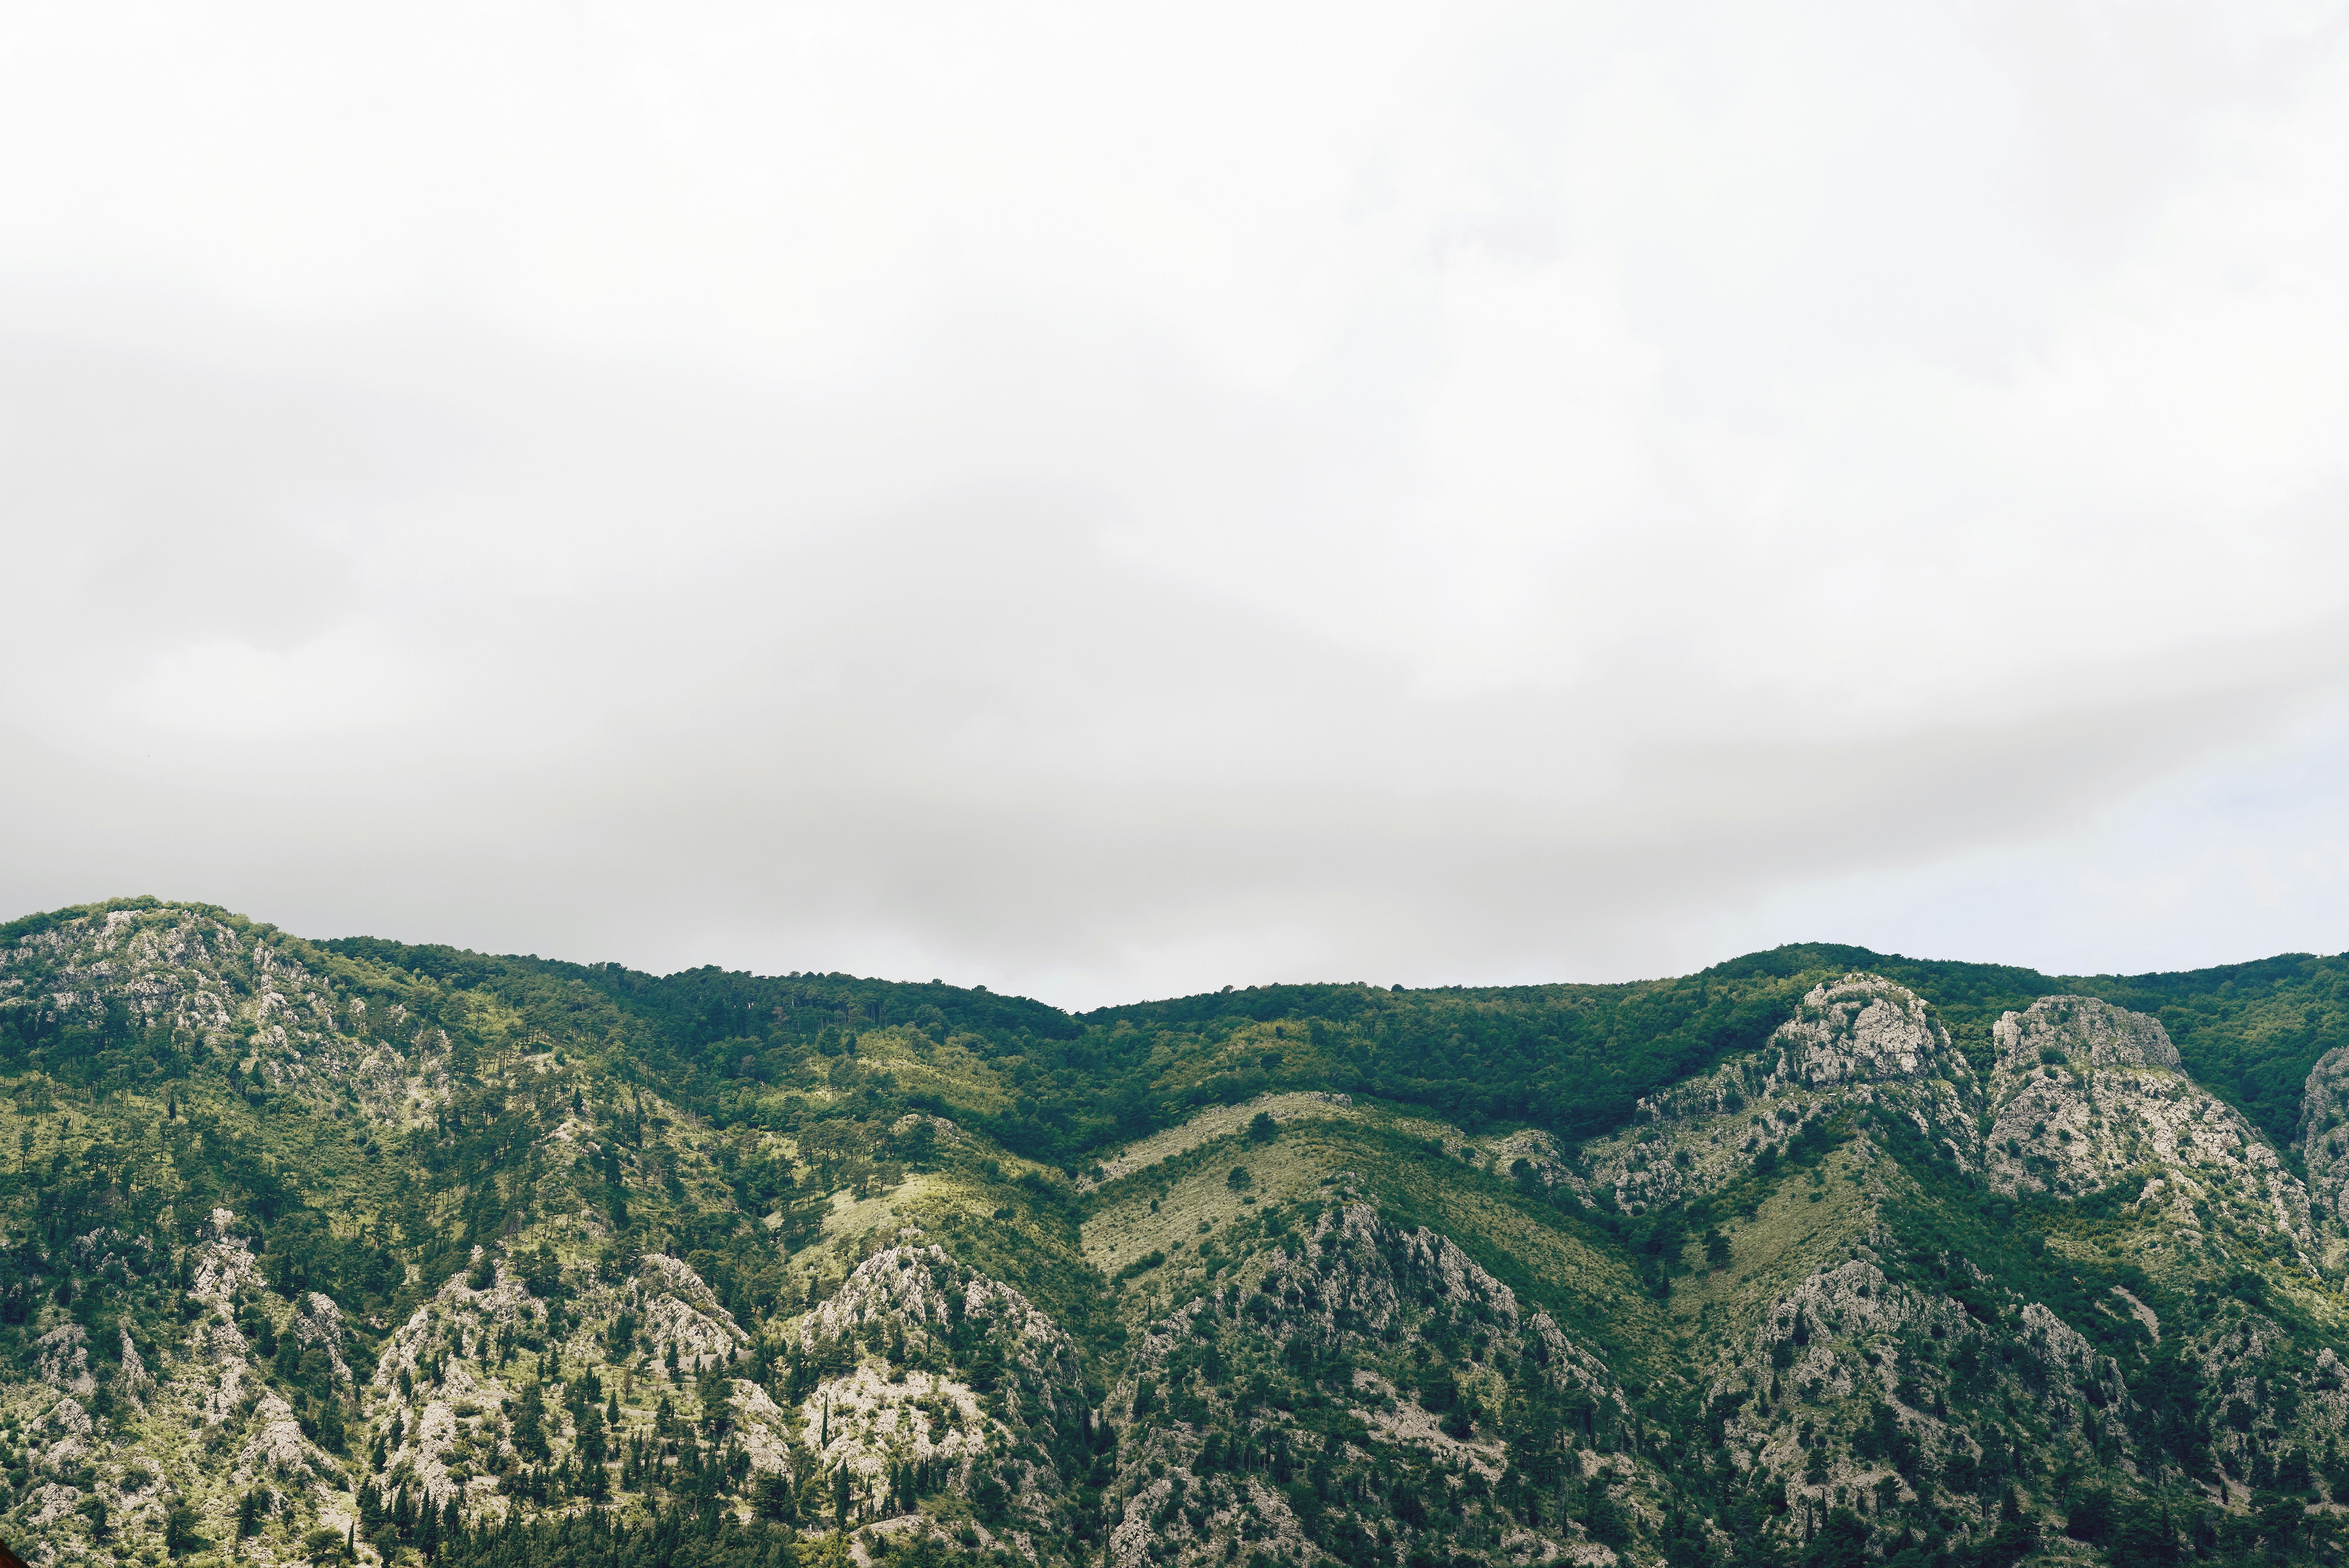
{"x": 530, "y": 1425}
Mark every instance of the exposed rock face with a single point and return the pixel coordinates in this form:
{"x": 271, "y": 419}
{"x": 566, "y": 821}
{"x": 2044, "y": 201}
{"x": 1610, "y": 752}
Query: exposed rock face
{"x": 682, "y": 1313}
{"x": 950, "y": 1312}
{"x": 1861, "y": 1041}
{"x": 107, "y": 1253}
{"x": 925, "y": 1360}
{"x": 318, "y": 1320}
{"x": 1368, "y": 1300}
{"x": 1863, "y": 1030}
{"x": 2106, "y": 1036}
{"x": 55, "y": 1503}
{"x": 461, "y": 1358}
{"x": 2265, "y": 1398}
{"x": 194, "y": 972}
{"x": 762, "y": 1428}
{"x": 62, "y": 1360}
{"x": 1536, "y": 1153}
{"x": 72, "y": 1430}
{"x": 134, "y": 1380}
{"x": 1856, "y": 1385}
{"x": 2085, "y": 1095}
{"x": 876, "y": 1418}
{"x": 2323, "y": 1140}
{"x": 223, "y": 1265}
{"x": 166, "y": 967}
{"x": 448, "y": 1355}
{"x": 276, "y": 1446}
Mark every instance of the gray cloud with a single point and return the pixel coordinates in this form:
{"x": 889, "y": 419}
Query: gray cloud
{"x": 1444, "y": 519}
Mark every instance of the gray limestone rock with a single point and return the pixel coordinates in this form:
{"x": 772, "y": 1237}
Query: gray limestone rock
{"x": 1360, "y": 1292}
{"x": 1861, "y": 1040}
{"x": 2087, "y": 1095}
{"x": 933, "y": 1362}
{"x": 238, "y": 987}
{"x": 2324, "y": 1139}
{"x": 2084, "y": 1029}
{"x": 1863, "y": 1030}
{"x": 61, "y": 1358}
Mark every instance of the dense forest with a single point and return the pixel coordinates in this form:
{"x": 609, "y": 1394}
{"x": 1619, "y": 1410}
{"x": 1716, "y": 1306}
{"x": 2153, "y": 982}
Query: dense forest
{"x": 1574, "y": 1058}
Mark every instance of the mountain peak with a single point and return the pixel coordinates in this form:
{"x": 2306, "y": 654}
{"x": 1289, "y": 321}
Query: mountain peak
{"x": 1864, "y": 1028}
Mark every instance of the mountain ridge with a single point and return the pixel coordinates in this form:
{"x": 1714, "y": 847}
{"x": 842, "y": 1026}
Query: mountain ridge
{"x": 318, "y": 1250}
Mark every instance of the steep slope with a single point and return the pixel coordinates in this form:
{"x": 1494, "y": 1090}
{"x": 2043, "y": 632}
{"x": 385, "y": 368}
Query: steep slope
{"x": 1859, "y": 1042}
{"x": 2087, "y": 1097}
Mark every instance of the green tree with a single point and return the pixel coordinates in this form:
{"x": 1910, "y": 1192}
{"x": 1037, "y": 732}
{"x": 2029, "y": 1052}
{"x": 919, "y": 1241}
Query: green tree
{"x": 182, "y": 1531}
{"x": 542, "y": 1273}
{"x": 2143, "y": 1536}
{"x": 2017, "y": 1536}
{"x": 592, "y": 1449}
{"x": 2091, "y": 1518}
{"x": 1842, "y": 1542}
{"x": 530, "y": 1426}
{"x": 2280, "y": 1519}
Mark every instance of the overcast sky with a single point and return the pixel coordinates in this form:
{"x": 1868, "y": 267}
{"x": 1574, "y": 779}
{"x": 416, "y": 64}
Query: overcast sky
{"x": 1110, "y": 501}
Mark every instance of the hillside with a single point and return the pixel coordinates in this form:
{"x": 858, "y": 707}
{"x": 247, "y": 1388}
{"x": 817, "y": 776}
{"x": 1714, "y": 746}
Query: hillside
{"x": 352, "y": 1250}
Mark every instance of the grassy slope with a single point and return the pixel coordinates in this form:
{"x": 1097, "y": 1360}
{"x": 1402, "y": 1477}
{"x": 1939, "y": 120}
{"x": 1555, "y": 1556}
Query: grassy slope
{"x": 1549, "y": 1259}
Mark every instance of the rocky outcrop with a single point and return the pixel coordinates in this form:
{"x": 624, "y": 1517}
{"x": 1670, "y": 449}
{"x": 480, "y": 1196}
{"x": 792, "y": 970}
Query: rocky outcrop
{"x": 2265, "y": 1405}
{"x": 2085, "y": 1095}
{"x": 876, "y": 1418}
{"x": 223, "y": 1265}
{"x": 218, "y": 984}
{"x": 61, "y": 1359}
{"x": 111, "y": 1254}
{"x": 63, "y": 1438}
{"x": 682, "y": 1315}
{"x": 1862, "y": 1029}
{"x": 134, "y": 1381}
{"x": 925, "y": 1362}
{"x": 1422, "y": 1348}
{"x": 1859, "y": 1042}
{"x": 761, "y": 1429}
{"x": 276, "y": 1447}
{"x": 317, "y": 1321}
{"x": 2084, "y": 1029}
{"x": 1858, "y": 1387}
{"x": 914, "y": 1305}
{"x": 2323, "y": 1138}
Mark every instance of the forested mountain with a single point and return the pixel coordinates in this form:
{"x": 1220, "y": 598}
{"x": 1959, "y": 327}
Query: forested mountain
{"x": 325, "y": 1251}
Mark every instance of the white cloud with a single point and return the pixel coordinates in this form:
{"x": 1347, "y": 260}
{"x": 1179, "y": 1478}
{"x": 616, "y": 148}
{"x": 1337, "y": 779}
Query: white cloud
{"x": 1105, "y": 502}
